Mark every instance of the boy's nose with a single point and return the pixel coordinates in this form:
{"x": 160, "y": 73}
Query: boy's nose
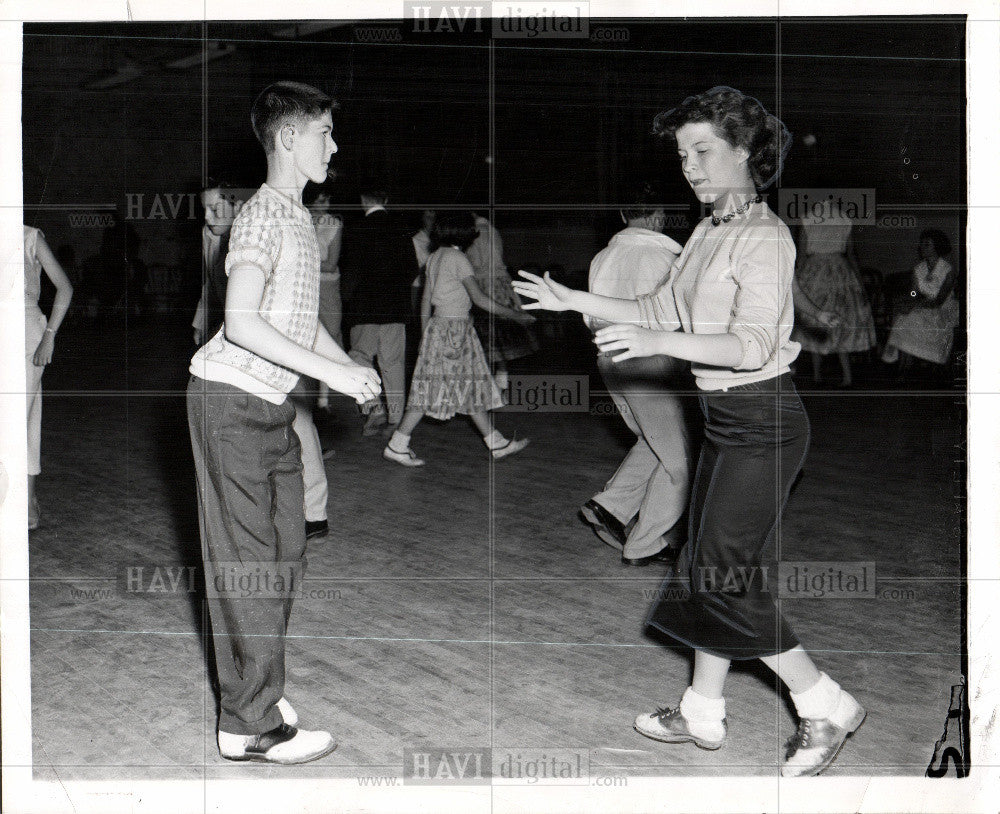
{"x": 333, "y": 146}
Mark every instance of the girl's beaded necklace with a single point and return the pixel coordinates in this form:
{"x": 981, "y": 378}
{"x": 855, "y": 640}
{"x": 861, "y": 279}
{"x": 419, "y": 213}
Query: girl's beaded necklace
{"x": 739, "y": 211}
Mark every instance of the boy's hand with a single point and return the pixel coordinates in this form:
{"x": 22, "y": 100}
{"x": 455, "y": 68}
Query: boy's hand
{"x": 357, "y": 381}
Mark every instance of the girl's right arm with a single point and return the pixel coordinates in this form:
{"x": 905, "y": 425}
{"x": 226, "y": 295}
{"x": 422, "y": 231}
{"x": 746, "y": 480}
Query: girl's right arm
{"x": 807, "y": 308}
{"x": 64, "y": 295}
{"x": 425, "y": 307}
{"x": 482, "y": 300}
{"x": 553, "y": 296}
{"x": 58, "y": 278}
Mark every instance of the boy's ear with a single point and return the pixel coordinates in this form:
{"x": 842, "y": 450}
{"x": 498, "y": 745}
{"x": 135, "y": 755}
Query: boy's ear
{"x": 287, "y": 136}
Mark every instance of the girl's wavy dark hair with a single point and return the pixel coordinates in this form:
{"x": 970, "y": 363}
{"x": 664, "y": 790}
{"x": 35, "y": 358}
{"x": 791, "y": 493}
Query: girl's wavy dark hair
{"x": 457, "y": 228}
{"x": 739, "y": 119}
{"x": 942, "y": 246}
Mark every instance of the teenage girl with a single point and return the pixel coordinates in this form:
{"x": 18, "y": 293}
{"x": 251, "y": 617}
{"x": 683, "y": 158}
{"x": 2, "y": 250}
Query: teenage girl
{"x": 40, "y": 341}
{"x": 329, "y": 234}
{"x": 452, "y": 375}
{"x": 503, "y": 340}
{"x": 727, "y": 307}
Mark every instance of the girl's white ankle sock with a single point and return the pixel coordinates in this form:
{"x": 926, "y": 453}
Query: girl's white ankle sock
{"x": 495, "y": 440}
{"x": 820, "y": 700}
{"x": 704, "y": 716}
{"x": 399, "y": 442}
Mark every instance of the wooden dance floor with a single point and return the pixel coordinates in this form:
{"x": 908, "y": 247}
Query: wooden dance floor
{"x": 464, "y": 604}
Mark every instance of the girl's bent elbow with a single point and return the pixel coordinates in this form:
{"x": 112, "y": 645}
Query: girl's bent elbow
{"x": 751, "y": 352}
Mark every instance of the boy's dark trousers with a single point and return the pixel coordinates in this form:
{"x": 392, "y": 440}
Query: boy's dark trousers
{"x": 249, "y": 472}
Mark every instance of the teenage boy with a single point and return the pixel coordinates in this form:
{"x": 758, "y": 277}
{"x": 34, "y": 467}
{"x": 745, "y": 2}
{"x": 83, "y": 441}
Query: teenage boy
{"x": 219, "y": 213}
{"x": 378, "y": 267}
{"x": 638, "y": 510}
{"x": 221, "y": 206}
{"x": 246, "y": 454}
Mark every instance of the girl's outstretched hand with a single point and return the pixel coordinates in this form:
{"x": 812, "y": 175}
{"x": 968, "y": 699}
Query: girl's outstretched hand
{"x": 635, "y": 342}
{"x": 546, "y": 292}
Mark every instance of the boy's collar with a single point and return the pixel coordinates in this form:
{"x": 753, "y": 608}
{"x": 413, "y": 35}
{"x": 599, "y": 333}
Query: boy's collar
{"x": 288, "y": 198}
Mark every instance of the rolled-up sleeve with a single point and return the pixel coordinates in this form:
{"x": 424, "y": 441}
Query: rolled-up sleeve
{"x": 762, "y": 308}
{"x": 658, "y": 309}
{"x": 254, "y": 241}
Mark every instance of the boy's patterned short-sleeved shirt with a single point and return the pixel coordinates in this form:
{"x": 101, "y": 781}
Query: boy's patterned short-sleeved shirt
{"x": 277, "y": 235}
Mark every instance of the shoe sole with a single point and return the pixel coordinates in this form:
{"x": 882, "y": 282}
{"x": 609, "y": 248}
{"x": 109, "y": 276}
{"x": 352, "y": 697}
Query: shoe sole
{"x": 280, "y": 762}
{"x": 508, "y": 454}
{"x": 709, "y": 746}
{"x": 851, "y": 729}
{"x": 639, "y": 562}
{"x": 401, "y": 463}
{"x": 600, "y": 529}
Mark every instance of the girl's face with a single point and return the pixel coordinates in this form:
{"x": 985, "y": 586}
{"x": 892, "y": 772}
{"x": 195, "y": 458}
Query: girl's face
{"x": 712, "y": 166}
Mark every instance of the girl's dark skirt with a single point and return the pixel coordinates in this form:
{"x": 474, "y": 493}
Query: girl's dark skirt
{"x": 717, "y": 598}
{"x": 503, "y": 340}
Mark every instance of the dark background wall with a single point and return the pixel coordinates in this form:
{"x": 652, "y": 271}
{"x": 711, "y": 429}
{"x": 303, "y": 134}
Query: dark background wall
{"x": 549, "y": 132}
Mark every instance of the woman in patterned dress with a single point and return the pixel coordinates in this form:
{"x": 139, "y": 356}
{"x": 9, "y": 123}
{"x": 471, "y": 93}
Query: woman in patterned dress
{"x": 451, "y": 375}
{"x": 926, "y": 327}
{"x": 827, "y": 274}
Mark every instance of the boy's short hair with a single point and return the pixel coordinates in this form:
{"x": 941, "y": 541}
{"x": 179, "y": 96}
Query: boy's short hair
{"x": 374, "y": 189}
{"x": 223, "y": 186}
{"x": 285, "y": 102}
{"x": 216, "y": 182}
{"x": 644, "y": 200}
{"x": 230, "y": 200}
